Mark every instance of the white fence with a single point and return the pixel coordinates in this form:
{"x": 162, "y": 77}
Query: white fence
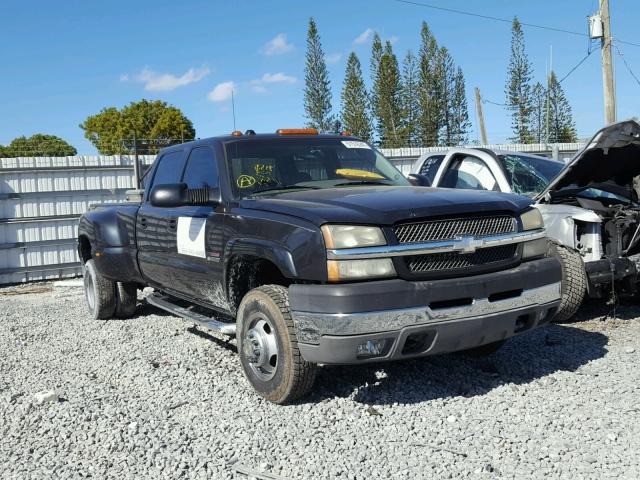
{"x": 42, "y": 198}
{"x": 40, "y": 202}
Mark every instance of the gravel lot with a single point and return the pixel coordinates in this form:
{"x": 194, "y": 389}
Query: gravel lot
{"x": 153, "y": 398}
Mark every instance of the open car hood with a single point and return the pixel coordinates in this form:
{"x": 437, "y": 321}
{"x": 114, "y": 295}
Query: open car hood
{"x": 609, "y": 162}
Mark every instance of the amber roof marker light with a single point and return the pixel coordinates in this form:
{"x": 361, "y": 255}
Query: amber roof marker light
{"x": 297, "y": 131}
{"x": 236, "y": 133}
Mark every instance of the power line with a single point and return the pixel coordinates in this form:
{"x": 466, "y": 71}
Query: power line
{"x": 624, "y": 60}
{"x": 503, "y": 20}
{"x": 576, "y": 67}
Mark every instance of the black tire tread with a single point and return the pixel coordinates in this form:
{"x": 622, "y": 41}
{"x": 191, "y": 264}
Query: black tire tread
{"x": 574, "y": 283}
{"x": 303, "y": 373}
{"x": 126, "y": 299}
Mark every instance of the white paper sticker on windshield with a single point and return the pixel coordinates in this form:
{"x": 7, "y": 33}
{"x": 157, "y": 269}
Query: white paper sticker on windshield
{"x": 355, "y": 144}
{"x": 190, "y": 237}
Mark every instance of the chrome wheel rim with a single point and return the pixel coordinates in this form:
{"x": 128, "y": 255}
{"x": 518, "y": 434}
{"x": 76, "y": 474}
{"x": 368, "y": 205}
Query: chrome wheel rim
{"x": 89, "y": 291}
{"x": 260, "y": 347}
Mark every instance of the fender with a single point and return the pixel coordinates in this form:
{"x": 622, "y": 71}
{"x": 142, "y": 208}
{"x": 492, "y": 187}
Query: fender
{"x": 274, "y": 252}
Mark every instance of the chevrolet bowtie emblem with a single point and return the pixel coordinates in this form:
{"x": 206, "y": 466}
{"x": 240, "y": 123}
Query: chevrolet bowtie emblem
{"x": 466, "y": 244}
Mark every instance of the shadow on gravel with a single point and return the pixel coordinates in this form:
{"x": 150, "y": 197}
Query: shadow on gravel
{"x": 628, "y": 308}
{"x": 524, "y": 359}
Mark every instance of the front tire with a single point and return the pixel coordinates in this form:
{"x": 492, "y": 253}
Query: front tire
{"x": 100, "y": 293}
{"x": 574, "y": 283}
{"x": 268, "y": 347}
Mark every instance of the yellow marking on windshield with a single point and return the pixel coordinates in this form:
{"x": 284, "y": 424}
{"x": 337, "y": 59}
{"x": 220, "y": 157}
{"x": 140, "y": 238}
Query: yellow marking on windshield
{"x": 245, "y": 181}
{"x": 358, "y": 174}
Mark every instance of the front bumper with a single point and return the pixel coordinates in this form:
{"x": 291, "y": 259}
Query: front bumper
{"x": 422, "y": 318}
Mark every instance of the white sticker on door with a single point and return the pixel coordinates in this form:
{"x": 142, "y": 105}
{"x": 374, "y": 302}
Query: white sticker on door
{"x": 191, "y": 232}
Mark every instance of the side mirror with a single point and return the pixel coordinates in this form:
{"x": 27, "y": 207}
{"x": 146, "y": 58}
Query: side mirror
{"x": 179, "y": 195}
{"x": 418, "y": 180}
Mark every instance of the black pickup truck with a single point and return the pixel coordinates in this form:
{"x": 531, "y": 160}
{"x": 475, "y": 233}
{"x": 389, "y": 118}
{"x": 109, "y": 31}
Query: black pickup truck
{"x": 313, "y": 249}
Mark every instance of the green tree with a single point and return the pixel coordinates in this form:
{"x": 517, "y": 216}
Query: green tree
{"x": 355, "y": 102}
{"x": 410, "y": 100}
{"x": 539, "y": 113}
{"x": 447, "y": 73}
{"x": 388, "y": 87}
{"x": 518, "y": 86}
{"x": 317, "y": 91}
{"x": 459, "y": 112}
{"x": 429, "y": 89}
{"x": 374, "y": 69}
{"x": 562, "y": 127}
{"x": 111, "y": 131}
{"x": 38, "y": 145}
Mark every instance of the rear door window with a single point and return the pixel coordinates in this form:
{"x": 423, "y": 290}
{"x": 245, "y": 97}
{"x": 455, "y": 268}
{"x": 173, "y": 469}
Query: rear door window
{"x": 169, "y": 168}
{"x": 469, "y": 172}
{"x": 202, "y": 169}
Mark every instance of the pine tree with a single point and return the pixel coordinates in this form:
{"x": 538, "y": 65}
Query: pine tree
{"x": 389, "y": 107}
{"x": 410, "y": 100}
{"x": 429, "y": 88}
{"x": 355, "y": 102}
{"x": 374, "y": 69}
{"x": 459, "y": 111}
{"x": 447, "y": 73}
{"x": 562, "y": 127}
{"x": 518, "y": 86}
{"x": 539, "y": 113}
{"x": 317, "y": 91}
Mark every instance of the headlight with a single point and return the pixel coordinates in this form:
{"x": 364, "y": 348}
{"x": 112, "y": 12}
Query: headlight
{"x": 352, "y": 236}
{"x": 531, "y": 219}
{"x": 342, "y": 270}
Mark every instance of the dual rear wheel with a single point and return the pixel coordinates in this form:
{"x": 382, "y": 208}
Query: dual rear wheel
{"x": 106, "y": 298}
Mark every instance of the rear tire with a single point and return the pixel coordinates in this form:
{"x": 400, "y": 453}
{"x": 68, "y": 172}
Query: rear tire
{"x": 573, "y": 285}
{"x": 99, "y": 292}
{"x": 126, "y": 299}
{"x": 268, "y": 347}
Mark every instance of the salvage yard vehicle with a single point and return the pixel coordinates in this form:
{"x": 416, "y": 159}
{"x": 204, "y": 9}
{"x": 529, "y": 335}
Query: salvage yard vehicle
{"x": 590, "y": 207}
{"x": 313, "y": 249}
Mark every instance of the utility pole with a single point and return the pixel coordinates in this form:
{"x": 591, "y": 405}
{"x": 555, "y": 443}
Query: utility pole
{"x": 483, "y": 131}
{"x": 607, "y": 66}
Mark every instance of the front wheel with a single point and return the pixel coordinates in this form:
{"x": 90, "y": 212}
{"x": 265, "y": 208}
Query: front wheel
{"x": 268, "y": 347}
{"x": 574, "y": 283}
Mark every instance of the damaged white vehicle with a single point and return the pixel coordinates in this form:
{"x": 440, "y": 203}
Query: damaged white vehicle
{"x": 590, "y": 206}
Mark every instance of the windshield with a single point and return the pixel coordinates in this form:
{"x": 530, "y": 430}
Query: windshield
{"x": 529, "y": 175}
{"x": 272, "y": 165}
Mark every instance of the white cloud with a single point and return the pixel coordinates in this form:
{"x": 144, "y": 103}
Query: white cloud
{"x": 258, "y": 85}
{"x": 277, "y": 45}
{"x": 333, "y": 57}
{"x": 222, "y": 92}
{"x": 364, "y": 36}
{"x": 393, "y": 39}
{"x": 165, "y": 82}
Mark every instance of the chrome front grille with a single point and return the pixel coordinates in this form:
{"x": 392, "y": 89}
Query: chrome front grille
{"x": 450, "y": 228}
{"x": 484, "y": 257}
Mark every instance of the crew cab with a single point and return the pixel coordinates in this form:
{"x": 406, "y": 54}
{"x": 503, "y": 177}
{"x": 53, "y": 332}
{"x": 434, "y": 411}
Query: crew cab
{"x": 314, "y": 249}
{"x": 590, "y": 208}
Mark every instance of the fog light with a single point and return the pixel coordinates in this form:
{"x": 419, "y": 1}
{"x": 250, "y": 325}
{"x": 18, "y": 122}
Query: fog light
{"x": 535, "y": 248}
{"x": 371, "y": 348}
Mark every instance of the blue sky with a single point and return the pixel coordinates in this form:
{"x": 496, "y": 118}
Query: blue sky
{"x": 65, "y": 60}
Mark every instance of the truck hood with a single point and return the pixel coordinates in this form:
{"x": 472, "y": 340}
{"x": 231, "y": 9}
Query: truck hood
{"x": 384, "y": 205}
{"x": 609, "y": 162}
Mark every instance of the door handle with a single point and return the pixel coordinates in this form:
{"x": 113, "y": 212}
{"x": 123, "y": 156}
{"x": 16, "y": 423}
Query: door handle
{"x": 143, "y": 222}
{"x": 172, "y": 224}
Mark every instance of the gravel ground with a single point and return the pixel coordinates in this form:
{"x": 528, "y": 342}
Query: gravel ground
{"x": 153, "y": 398}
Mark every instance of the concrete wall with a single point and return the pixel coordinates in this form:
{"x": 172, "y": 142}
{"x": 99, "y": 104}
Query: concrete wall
{"x": 42, "y": 198}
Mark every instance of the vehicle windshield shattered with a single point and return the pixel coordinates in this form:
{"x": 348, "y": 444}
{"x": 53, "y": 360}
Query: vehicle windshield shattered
{"x": 275, "y": 165}
{"x": 528, "y": 175}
